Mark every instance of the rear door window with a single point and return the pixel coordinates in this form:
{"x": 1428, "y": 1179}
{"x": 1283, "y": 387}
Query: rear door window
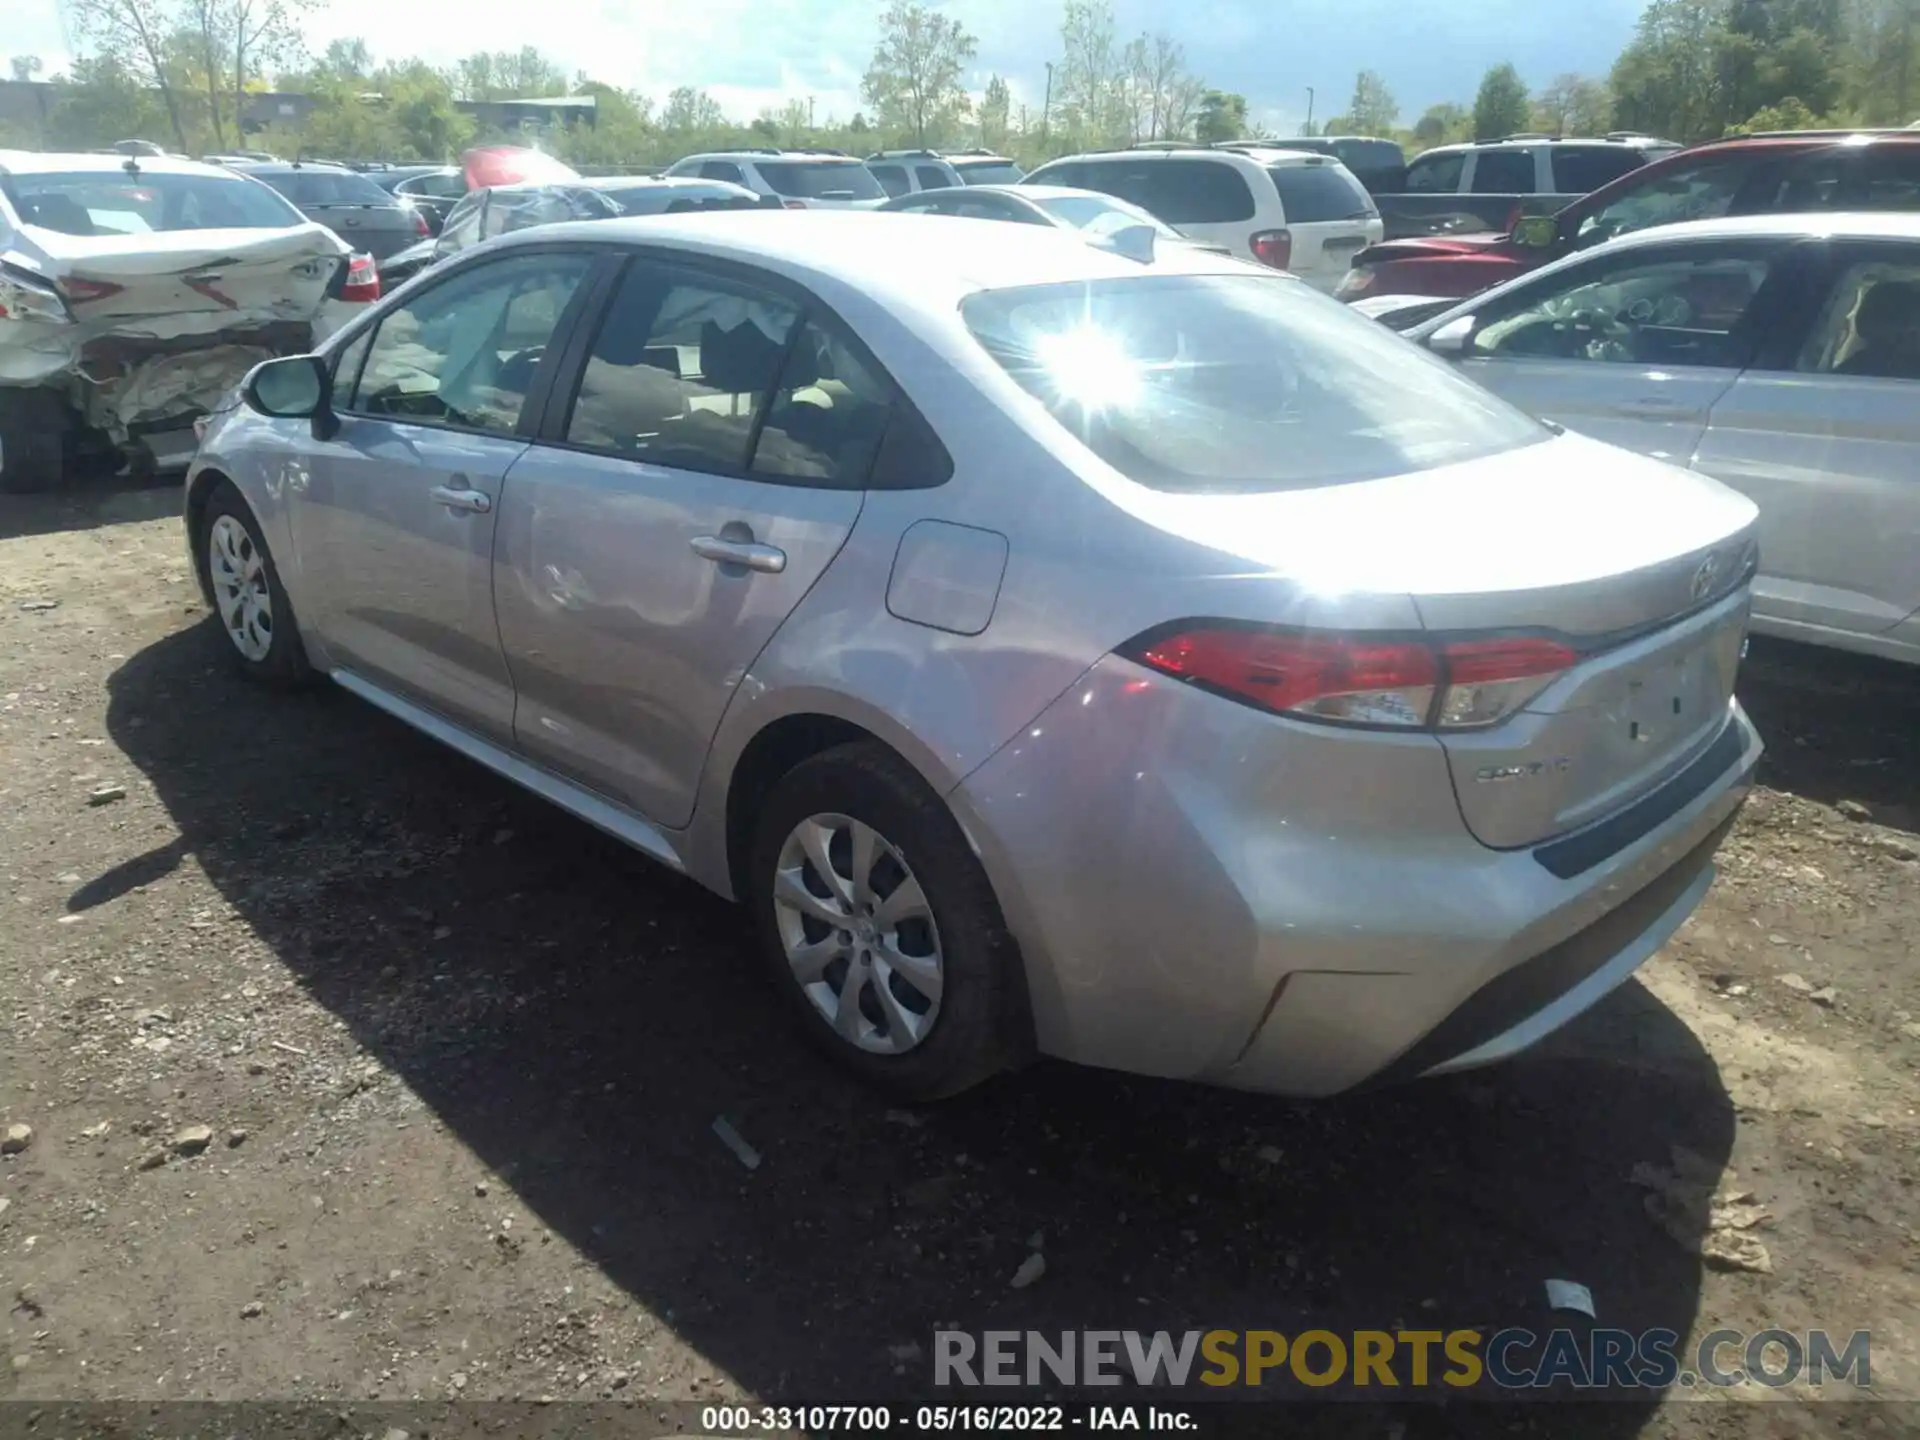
{"x": 930, "y": 178}
{"x": 1869, "y": 326}
{"x": 1436, "y": 174}
{"x": 1503, "y": 172}
{"x": 682, "y": 369}
{"x": 1313, "y": 193}
{"x": 892, "y": 178}
{"x": 721, "y": 170}
{"x": 1890, "y": 177}
{"x": 1578, "y": 169}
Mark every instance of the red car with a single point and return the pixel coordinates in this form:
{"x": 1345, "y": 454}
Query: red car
{"x": 1753, "y": 175}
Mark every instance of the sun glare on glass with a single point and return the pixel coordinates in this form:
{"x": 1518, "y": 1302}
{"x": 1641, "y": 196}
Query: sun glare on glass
{"x": 1089, "y": 368}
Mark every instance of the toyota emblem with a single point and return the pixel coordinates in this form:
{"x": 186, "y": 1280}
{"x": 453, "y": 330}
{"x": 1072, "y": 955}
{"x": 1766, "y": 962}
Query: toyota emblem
{"x": 1704, "y": 577}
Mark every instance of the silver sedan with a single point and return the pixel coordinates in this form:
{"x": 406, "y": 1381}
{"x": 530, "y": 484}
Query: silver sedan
{"x": 1777, "y": 353}
{"x": 1138, "y": 659}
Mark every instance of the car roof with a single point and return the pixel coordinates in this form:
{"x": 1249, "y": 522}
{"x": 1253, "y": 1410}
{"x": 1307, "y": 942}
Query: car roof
{"x": 45, "y": 162}
{"x": 294, "y": 167}
{"x": 783, "y": 156}
{"x": 1818, "y": 225}
{"x": 860, "y": 250}
{"x": 1275, "y": 154}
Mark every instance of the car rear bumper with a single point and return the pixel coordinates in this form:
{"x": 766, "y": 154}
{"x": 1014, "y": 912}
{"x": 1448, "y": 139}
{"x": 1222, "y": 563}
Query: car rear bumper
{"x": 1193, "y": 901}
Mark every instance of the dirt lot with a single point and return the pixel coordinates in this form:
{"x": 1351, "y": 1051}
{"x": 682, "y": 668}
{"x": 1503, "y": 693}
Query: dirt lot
{"x": 460, "y": 1058}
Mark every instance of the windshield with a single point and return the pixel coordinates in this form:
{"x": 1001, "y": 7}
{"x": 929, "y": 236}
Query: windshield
{"x": 327, "y": 187}
{"x": 821, "y": 179}
{"x": 1102, "y": 214}
{"x": 117, "y": 203}
{"x": 1315, "y": 192}
{"x": 1229, "y": 383}
{"x": 987, "y": 172}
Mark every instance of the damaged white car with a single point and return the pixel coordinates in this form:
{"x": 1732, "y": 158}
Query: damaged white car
{"x": 134, "y": 293}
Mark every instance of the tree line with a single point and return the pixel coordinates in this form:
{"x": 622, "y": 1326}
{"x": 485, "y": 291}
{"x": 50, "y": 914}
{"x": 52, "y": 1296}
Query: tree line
{"x": 182, "y": 72}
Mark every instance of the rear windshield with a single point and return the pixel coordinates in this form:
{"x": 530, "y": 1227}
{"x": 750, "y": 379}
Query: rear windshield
{"x": 327, "y": 187}
{"x": 1208, "y": 384}
{"x": 821, "y": 179}
{"x": 117, "y": 203}
{"x": 988, "y": 172}
{"x": 1309, "y": 193}
{"x": 1102, "y": 214}
{"x": 677, "y": 199}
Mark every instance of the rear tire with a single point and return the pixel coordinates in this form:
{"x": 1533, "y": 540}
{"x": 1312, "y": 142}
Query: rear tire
{"x": 908, "y": 918}
{"x": 34, "y": 429}
{"x": 249, "y": 603}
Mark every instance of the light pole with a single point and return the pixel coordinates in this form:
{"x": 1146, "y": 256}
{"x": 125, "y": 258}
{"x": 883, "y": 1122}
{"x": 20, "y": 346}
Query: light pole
{"x": 1309, "y": 129}
{"x": 1046, "y": 106}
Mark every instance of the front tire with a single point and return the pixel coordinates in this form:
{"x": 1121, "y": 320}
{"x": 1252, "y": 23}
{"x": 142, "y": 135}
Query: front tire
{"x": 880, "y": 927}
{"x": 249, "y": 602}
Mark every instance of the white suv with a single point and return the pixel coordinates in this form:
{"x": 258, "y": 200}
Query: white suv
{"x": 907, "y": 172}
{"x": 1293, "y": 211}
{"x": 802, "y": 179}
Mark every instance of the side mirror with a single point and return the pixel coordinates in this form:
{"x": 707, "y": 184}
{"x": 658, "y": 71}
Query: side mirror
{"x": 291, "y": 389}
{"x": 1537, "y": 232}
{"x": 1451, "y": 338}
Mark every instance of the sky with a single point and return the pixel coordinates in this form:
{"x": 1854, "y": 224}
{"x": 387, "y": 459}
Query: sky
{"x": 754, "y": 54}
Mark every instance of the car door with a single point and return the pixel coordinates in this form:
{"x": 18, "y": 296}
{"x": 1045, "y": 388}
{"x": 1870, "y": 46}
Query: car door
{"x": 1635, "y": 346}
{"x": 698, "y": 469}
{"x": 1824, "y": 435}
{"x": 393, "y": 515}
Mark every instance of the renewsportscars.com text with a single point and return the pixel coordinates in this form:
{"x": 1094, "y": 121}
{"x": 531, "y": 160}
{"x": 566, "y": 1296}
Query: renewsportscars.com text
{"x": 1322, "y": 1361}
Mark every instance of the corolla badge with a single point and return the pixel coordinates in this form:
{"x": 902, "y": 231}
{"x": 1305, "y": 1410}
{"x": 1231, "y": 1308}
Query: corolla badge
{"x": 1493, "y": 774}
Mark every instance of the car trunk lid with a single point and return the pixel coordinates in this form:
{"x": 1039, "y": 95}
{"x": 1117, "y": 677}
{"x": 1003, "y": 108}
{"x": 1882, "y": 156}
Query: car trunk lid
{"x": 192, "y": 281}
{"x": 1639, "y": 569}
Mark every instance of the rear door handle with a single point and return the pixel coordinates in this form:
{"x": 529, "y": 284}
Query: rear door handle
{"x": 476, "y": 502}
{"x": 768, "y": 559}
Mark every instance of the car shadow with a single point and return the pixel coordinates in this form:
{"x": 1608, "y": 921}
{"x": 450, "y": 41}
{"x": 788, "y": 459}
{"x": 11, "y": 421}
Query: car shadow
{"x": 1837, "y": 726}
{"x": 91, "y": 499}
{"x": 579, "y": 1017}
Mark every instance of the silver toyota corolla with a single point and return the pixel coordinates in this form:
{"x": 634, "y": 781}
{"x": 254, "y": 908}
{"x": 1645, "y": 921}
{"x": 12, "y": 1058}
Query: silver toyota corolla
{"x": 1142, "y": 661}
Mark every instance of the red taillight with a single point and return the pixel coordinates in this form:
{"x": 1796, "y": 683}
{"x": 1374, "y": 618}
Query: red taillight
{"x": 80, "y": 291}
{"x": 420, "y": 226}
{"x": 1357, "y": 680}
{"x": 793, "y": 204}
{"x": 363, "y": 281}
{"x": 1273, "y": 247}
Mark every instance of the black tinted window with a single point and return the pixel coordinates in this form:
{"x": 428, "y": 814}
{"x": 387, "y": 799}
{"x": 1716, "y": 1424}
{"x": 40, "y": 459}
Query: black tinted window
{"x": 1892, "y": 177}
{"x": 1580, "y": 168}
{"x": 1504, "y": 172}
{"x": 1436, "y": 174}
{"x": 680, "y": 370}
{"x": 892, "y": 178}
{"x": 1180, "y": 192}
{"x": 721, "y": 170}
{"x": 828, "y": 413}
{"x": 930, "y": 178}
{"x": 821, "y": 179}
{"x": 1320, "y": 192}
{"x": 1071, "y": 174}
{"x": 987, "y": 172}
{"x": 328, "y": 187}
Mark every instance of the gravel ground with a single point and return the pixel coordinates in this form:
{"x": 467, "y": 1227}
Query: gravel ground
{"x": 352, "y": 1073}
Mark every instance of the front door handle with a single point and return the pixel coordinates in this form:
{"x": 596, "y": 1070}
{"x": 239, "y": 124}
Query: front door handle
{"x": 476, "y": 502}
{"x": 768, "y": 559}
